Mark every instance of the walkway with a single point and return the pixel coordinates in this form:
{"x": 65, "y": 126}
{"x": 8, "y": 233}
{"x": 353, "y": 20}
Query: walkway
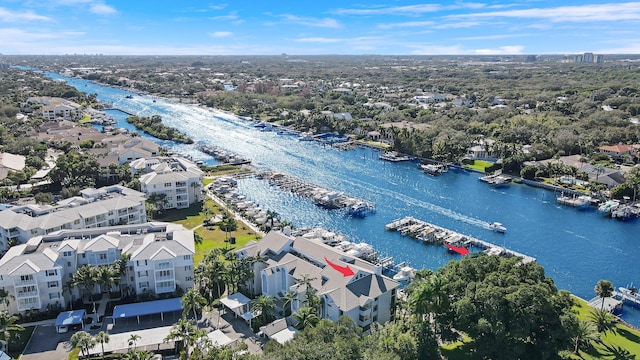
{"x": 235, "y": 214}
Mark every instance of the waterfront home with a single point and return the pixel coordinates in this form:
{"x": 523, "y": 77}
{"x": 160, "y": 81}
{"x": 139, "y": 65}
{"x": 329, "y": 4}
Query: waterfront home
{"x": 618, "y": 151}
{"x": 161, "y": 259}
{"x": 106, "y": 206}
{"x": 178, "y": 179}
{"x": 52, "y": 108}
{"x": 345, "y": 284}
{"x": 481, "y": 149}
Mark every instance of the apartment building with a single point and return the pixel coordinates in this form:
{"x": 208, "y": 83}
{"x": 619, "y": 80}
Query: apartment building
{"x": 161, "y": 260}
{"x": 178, "y": 179}
{"x": 362, "y": 292}
{"x": 107, "y": 206}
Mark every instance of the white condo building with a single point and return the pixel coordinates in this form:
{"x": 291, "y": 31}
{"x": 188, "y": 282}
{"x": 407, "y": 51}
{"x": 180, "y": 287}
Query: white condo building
{"x": 179, "y": 179}
{"x": 161, "y": 259}
{"x": 363, "y": 294}
{"x": 107, "y": 206}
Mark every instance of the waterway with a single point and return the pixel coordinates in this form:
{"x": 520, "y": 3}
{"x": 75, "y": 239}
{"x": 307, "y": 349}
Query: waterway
{"x": 577, "y": 248}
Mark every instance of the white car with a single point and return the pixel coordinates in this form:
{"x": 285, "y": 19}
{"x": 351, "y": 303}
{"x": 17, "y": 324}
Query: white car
{"x": 62, "y": 329}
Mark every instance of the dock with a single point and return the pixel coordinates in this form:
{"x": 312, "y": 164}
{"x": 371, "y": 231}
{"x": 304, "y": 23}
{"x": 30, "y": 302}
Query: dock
{"x": 121, "y": 110}
{"x": 433, "y": 234}
{"x": 320, "y": 196}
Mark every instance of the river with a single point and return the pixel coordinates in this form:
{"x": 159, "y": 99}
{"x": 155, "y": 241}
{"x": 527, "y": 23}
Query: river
{"x": 576, "y": 248}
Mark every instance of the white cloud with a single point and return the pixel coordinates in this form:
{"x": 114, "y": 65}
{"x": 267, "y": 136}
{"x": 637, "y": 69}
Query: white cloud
{"x": 322, "y": 40}
{"x": 578, "y": 13}
{"x": 457, "y": 25}
{"x": 231, "y": 16}
{"x": 10, "y": 35}
{"x": 15, "y": 16}
{"x": 309, "y": 21}
{"x": 218, "y": 6}
{"x": 502, "y": 50}
{"x": 490, "y": 37}
{"x": 406, "y": 24}
{"x": 395, "y": 10}
{"x": 220, "y": 34}
{"x": 436, "y": 49}
{"x": 102, "y": 9}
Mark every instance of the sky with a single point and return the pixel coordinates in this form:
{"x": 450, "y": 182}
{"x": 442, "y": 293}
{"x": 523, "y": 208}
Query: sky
{"x": 318, "y": 27}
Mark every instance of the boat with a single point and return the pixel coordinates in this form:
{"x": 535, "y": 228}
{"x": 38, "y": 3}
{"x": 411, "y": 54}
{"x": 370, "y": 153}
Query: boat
{"x": 129, "y": 97}
{"x": 608, "y": 207}
{"x": 394, "y": 156}
{"x": 630, "y": 294}
{"x": 497, "y": 227}
{"x": 496, "y": 179}
{"x": 457, "y": 249}
{"x": 433, "y": 169}
{"x": 578, "y": 202}
{"x": 360, "y": 209}
{"x": 405, "y": 274}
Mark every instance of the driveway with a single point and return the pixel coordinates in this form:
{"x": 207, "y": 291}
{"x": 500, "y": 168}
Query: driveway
{"x": 46, "y": 343}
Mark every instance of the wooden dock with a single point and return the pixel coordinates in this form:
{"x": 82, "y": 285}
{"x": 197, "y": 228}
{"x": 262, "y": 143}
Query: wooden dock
{"x": 124, "y": 111}
{"x": 430, "y": 233}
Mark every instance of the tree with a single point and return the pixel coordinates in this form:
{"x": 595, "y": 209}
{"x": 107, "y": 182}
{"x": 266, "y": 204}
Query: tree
{"x": 156, "y": 203}
{"x": 603, "y": 289}
{"x": 192, "y": 301}
{"x": 228, "y": 225}
{"x": 186, "y": 332}
{"x": 105, "y": 277}
{"x": 584, "y": 334}
{"x": 633, "y": 180}
{"x": 603, "y": 320}
{"x": 287, "y": 301}
{"x": 86, "y": 277}
{"x": 84, "y": 341}
{"x": 137, "y": 355}
{"x": 75, "y": 169}
{"x": 306, "y": 317}
{"x": 264, "y": 305}
{"x": 133, "y": 340}
{"x": 8, "y": 324}
{"x": 103, "y": 338}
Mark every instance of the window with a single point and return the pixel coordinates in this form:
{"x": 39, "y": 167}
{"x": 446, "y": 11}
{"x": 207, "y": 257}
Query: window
{"x": 54, "y": 295}
{"x": 69, "y": 263}
{"x": 132, "y": 279}
{"x": 167, "y": 184}
{"x": 76, "y": 221}
{"x": 52, "y": 272}
{"x": 143, "y": 273}
{"x": 187, "y": 268}
{"x": 188, "y": 278}
{"x": 26, "y": 277}
{"x": 66, "y": 253}
{"x": 52, "y": 284}
{"x": 187, "y": 257}
{"x": 143, "y": 284}
{"x": 164, "y": 273}
{"x": 34, "y": 231}
{"x": 102, "y": 256}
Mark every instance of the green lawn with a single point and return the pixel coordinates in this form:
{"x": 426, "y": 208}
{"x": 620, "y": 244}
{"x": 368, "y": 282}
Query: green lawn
{"x": 478, "y": 165}
{"x": 19, "y": 341}
{"x": 624, "y": 338}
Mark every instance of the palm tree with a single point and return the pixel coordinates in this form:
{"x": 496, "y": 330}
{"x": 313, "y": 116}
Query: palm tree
{"x": 585, "y": 333}
{"x": 5, "y": 297}
{"x": 633, "y": 179}
{"x": 603, "y": 289}
{"x": 603, "y": 320}
{"x": 133, "y": 339}
{"x": 186, "y": 332}
{"x": 85, "y": 277}
{"x": 84, "y": 341}
{"x": 287, "y": 301}
{"x": 192, "y": 300}
{"x": 265, "y": 306}
{"x": 105, "y": 276}
{"x": 137, "y": 355}
{"x": 271, "y": 216}
{"x": 306, "y": 316}
{"x": 103, "y": 338}
{"x": 7, "y": 324}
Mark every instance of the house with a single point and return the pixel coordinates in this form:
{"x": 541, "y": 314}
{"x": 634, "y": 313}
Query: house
{"x": 102, "y": 207}
{"x": 387, "y": 130}
{"x": 161, "y": 260}
{"x": 178, "y": 179}
{"x": 345, "y": 284}
{"x": 619, "y": 150}
{"x": 481, "y": 149}
{"x": 10, "y": 162}
{"x": 52, "y": 107}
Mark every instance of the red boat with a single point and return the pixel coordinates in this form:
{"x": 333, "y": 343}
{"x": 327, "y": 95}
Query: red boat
{"x": 457, "y": 249}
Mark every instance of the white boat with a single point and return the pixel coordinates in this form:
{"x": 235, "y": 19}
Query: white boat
{"x": 497, "y": 227}
{"x": 433, "y": 169}
{"x": 579, "y": 202}
{"x": 630, "y": 294}
{"x": 405, "y": 274}
{"x": 394, "y": 156}
{"x": 608, "y": 207}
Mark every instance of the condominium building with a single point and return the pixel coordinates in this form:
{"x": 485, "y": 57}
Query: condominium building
{"x": 161, "y": 260}
{"x": 107, "y": 206}
{"x": 345, "y": 284}
{"x": 177, "y": 179}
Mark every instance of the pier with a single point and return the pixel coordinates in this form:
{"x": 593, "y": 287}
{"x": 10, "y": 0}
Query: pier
{"x": 433, "y": 234}
{"x": 320, "y": 196}
{"x": 121, "y": 110}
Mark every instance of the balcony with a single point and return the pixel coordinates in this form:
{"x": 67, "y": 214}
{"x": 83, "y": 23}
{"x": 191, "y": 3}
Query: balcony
{"x": 169, "y": 277}
{"x": 18, "y": 282}
{"x": 164, "y": 266}
{"x": 28, "y": 303}
{"x": 181, "y": 191}
{"x": 27, "y": 294}
{"x": 181, "y": 184}
{"x": 165, "y": 288}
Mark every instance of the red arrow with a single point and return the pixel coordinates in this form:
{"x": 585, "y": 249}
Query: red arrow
{"x": 344, "y": 270}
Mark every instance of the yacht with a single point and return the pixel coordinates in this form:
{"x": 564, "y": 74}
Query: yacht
{"x": 433, "y": 169}
{"x": 497, "y": 227}
{"x": 405, "y": 274}
{"x": 394, "y": 156}
{"x": 608, "y": 207}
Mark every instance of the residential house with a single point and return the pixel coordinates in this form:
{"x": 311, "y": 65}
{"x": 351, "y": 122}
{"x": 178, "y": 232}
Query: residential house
{"x": 178, "y": 179}
{"x": 345, "y": 284}
{"x": 618, "y": 151}
{"x": 102, "y": 207}
{"x": 161, "y": 260}
{"x": 387, "y": 130}
{"x": 10, "y": 162}
{"x": 481, "y": 149}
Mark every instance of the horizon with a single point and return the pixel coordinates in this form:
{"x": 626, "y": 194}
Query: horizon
{"x": 253, "y": 28}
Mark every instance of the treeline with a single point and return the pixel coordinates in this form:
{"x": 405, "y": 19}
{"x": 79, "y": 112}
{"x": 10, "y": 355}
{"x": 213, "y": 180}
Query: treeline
{"x": 153, "y": 126}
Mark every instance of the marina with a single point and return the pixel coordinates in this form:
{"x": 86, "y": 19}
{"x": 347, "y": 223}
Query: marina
{"x": 537, "y": 225}
{"x": 433, "y": 234}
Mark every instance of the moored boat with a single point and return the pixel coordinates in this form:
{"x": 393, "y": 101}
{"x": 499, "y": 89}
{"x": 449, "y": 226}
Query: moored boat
{"x": 405, "y": 274}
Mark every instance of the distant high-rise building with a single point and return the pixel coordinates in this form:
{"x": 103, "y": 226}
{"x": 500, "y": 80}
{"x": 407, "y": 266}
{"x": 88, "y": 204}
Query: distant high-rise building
{"x": 577, "y": 59}
{"x": 599, "y": 59}
{"x": 587, "y": 57}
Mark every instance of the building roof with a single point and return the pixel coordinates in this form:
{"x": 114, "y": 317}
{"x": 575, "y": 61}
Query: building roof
{"x": 147, "y": 308}
{"x": 12, "y": 161}
{"x": 619, "y": 148}
{"x": 69, "y": 318}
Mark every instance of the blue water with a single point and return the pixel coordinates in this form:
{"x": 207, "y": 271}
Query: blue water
{"x": 576, "y": 248}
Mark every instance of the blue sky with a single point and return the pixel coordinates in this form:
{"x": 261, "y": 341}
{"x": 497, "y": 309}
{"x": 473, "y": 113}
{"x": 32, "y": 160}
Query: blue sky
{"x": 173, "y": 27}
